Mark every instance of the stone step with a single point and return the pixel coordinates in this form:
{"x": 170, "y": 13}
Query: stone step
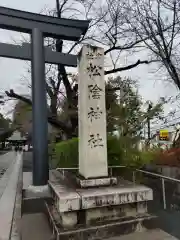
{"x": 99, "y": 230}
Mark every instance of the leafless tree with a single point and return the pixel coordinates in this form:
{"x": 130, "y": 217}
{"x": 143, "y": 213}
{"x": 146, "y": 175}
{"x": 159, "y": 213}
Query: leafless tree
{"x": 157, "y": 25}
{"x": 108, "y": 29}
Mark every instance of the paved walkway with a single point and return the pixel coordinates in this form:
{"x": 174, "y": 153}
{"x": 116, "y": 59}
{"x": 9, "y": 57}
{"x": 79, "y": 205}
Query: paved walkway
{"x": 35, "y": 227}
{"x": 6, "y": 160}
{"x": 27, "y": 165}
{"x": 149, "y": 235}
{"x": 10, "y": 195}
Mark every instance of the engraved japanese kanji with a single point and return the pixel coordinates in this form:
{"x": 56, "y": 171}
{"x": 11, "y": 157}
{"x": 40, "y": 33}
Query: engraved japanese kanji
{"x": 93, "y": 54}
{"x": 94, "y": 114}
{"x": 94, "y": 70}
{"x": 95, "y": 92}
{"x": 95, "y": 141}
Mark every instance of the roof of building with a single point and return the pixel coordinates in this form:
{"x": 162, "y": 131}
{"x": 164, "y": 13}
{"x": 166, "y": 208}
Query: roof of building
{"x": 16, "y": 136}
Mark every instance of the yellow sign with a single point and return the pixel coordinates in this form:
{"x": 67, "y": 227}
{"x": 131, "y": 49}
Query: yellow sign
{"x": 163, "y": 135}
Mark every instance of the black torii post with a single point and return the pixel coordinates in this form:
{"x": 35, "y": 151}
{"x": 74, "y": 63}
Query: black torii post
{"x": 40, "y": 26}
{"x": 40, "y": 133}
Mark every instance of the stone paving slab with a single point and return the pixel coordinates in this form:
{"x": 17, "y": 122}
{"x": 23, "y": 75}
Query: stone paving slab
{"x": 5, "y": 178}
{"x": 27, "y": 179}
{"x": 156, "y": 234}
{"x": 35, "y": 227}
{"x": 7, "y": 159}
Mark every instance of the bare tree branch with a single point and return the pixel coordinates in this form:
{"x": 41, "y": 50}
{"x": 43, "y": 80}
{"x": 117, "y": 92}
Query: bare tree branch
{"x": 53, "y": 121}
{"x": 126, "y": 67}
{"x": 125, "y": 47}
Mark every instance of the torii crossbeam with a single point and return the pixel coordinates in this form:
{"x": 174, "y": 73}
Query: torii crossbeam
{"x": 40, "y": 26}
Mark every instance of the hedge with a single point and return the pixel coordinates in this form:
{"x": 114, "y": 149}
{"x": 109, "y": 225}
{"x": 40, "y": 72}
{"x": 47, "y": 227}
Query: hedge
{"x": 66, "y": 153}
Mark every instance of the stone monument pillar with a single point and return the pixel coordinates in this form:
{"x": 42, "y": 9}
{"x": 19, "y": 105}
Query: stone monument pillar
{"x": 104, "y": 210}
{"x": 96, "y": 208}
{"x": 92, "y": 114}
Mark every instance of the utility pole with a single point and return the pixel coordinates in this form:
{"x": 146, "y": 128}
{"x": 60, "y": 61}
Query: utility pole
{"x": 149, "y": 129}
{"x": 148, "y": 123}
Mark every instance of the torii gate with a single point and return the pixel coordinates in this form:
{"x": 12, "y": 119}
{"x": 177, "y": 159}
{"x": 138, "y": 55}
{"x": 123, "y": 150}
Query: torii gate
{"x": 40, "y": 26}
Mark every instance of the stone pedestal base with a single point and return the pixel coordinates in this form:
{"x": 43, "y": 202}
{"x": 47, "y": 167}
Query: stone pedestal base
{"x": 37, "y": 191}
{"x": 100, "y": 230}
{"x": 98, "y": 205}
{"x": 95, "y": 182}
{"x": 97, "y": 212}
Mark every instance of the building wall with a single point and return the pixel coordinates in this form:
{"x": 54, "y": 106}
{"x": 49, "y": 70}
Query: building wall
{"x": 168, "y": 171}
{"x": 173, "y": 172}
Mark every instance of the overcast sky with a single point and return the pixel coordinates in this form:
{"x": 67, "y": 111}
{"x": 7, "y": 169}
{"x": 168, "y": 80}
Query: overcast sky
{"x": 12, "y": 71}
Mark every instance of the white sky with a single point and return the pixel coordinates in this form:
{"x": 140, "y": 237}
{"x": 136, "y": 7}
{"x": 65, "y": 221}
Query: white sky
{"x": 12, "y": 70}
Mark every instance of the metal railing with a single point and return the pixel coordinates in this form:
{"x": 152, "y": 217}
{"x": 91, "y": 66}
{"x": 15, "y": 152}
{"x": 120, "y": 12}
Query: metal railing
{"x": 156, "y": 175}
{"x": 163, "y": 179}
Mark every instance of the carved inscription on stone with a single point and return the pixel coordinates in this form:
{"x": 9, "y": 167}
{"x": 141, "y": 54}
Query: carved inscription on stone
{"x": 94, "y": 113}
{"x": 141, "y": 196}
{"x": 95, "y": 140}
{"x": 95, "y": 92}
{"x": 93, "y": 53}
{"x": 114, "y": 199}
{"x": 94, "y": 70}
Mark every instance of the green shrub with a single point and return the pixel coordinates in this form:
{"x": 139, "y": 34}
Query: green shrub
{"x": 137, "y": 159}
{"x": 66, "y": 153}
{"x": 114, "y": 151}
{"x": 149, "y": 156}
